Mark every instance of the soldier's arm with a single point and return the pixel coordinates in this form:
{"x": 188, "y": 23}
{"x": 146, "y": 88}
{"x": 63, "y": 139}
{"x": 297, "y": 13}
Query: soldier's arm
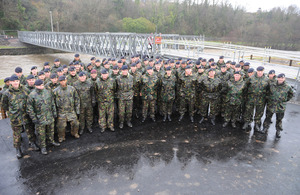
{"x": 290, "y": 94}
{"x": 54, "y": 111}
{"x": 4, "y": 102}
{"x": 30, "y": 109}
{"x": 77, "y": 102}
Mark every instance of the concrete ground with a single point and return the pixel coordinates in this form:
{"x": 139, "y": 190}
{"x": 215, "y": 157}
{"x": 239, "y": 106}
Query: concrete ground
{"x": 159, "y": 158}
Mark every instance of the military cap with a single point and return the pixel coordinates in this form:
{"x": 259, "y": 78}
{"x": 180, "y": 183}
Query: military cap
{"x": 56, "y": 60}
{"x": 53, "y": 75}
{"x": 98, "y": 60}
{"x": 168, "y": 68}
{"x": 237, "y": 65}
{"x": 211, "y": 60}
{"x": 76, "y": 55}
{"x": 115, "y": 67}
{"x": 199, "y": 59}
{"x": 213, "y": 64}
{"x": 18, "y": 70}
{"x": 47, "y": 70}
{"x": 157, "y": 57}
{"x": 237, "y": 72}
{"x": 151, "y": 60}
{"x": 260, "y": 68}
{"x": 137, "y": 55}
{"x": 124, "y": 67}
{"x": 104, "y": 71}
{"x": 93, "y": 71}
{"x": 188, "y": 59}
{"x": 132, "y": 56}
{"x": 41, "y": 73}
{"x": 211, "y": 69}
{"x": 228, "y": 62}
{"x": 272, "y": 72}
{"x": 223, "y": 66}
{"x": 59, "y": 69}
{"x": 149, "y": 68}
{"x": 180, "y": 58}
{"x": 221, "y": 57}
{"x": 233, "y": 63}
{"x": 109, "y": 59}
{"x": 204, "y": 60}
{"x": 166, "y": 62}
{"x": 105, "y": 63}
{"x": 77, "y": 62}
{"x": 89, "y": 64}
{"x": 14, "y": 78}
{"x": 242, "y": 61}
{"x": 120, "y": 61}
{"x": 122, "y": 57}
{"x": 82, "y": 73}
{"x": 138, "y": 61}
{"x": 188, "y": 67}
{"x": 281, "y": 75}
{"x": 133, "y": 65}
{"x": 250, "y": 70}
{"x": 33, "y": 67}
{"x": 72, "y": 68}
{"x": 159, "y": 61}
{"x": 6, "y": 79}
{"x": 247, "y": 64}
{"x": 30, "y": 77}
{"x": 64, "y": 66}
{"x": 172, "y": 61}
{"x": 62, "y": 78}
{"x": 71, "y": 63}
{"x": 190, "y": 62}
{"x": 46, "y": 63}
{"x": 81, "y": 64}
{"x": 183, "y": 62}
{"x": 198, "y": 62}
{"x": 177, "y": 62}
{"x": 114, "y": 59}
{"x": 103, "y": 59}
{"x": 93, "y": 58}
{"x": 156, "y": 63}
{"x": 146, "y": 60}
{"x": 38, "y": 82}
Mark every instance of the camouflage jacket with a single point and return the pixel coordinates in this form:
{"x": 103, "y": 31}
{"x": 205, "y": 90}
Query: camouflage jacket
{"x": 51, "y": 85}
{"x": 41, "y": 107}
{"x": 5, "y": 87}
{"x": 14, "y": 102}
{"x": 272, "y": 81}
{"x": 84, "y": 91}
{"x": 211, "y": 87}
{"x": 167, "y": 87}
{"x": 188, "y": 85}
{"x": 136, "y": 82}
{"x": 30, "y": 88}
{"x": 200, "y": 77}
{"x": 149, "y": 86}
{"x": 105, "y": 90}
{"x": 93, "y": 82}
{"x": 224, "y": 77}
{"x": 23, "y": 80}
{"x": 54, "y": 68}
{"x": 278, "y": 96}
{"x": 72, "y": 79}
{"x": 234, "y": 91}
{"x": 257, "y": 86}
{"x": 124, "y": 86}
{"x": 67, "y": 102}
{"x": 98, "y": 69}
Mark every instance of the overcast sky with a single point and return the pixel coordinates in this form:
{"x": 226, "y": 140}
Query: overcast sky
{"x": 253, "y": 5}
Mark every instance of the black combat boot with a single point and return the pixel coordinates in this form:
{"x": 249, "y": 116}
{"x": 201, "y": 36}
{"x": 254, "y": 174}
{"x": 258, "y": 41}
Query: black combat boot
{"x": 81, "y": 131}
{"x": 121, "y": 125}
{"x": 44, "y": 151}
{"x": 225, "y": 124}
{"x": 90, "y": 129}
{"x": 192, "y": 119}
{"x": 153, "y": 119}
{"x": 278, "y": 134}
{"x": 180, "y": 118}
{"x": 213, "y": 120}
{"x": 129, "y": 124}
{"x": 165, "y": 118}
{"x": 201, "y": 120}
{"x": 19, "y": 152}
{"x": 233, "y": 124}
{"x": 55, "y": 144}
{"x": 246, "y": 125}
{"x": 143, "y": 120}
{"x": 102, "y": 130}
{"x": 169, "y": 117}
{"x": 33, "y": 146}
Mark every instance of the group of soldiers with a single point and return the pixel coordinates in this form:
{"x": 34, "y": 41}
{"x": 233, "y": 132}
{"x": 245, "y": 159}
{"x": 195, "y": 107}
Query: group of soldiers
{"x": 81, "y": 94}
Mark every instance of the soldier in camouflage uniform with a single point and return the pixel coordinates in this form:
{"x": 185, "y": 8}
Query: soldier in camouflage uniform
{"x": 30, "y": 80}
{"x": 257, "y": 88}
{"x": 279, "y": 94}
{"x": 53, "y": 83}
{"x": 220, "y": 61}
{"x": 149, "y": 87}
{"x": 41, "y": 109}
{"x": 125, "y": 94}
{"x": 200, "y": 75}
{"x": 14, "y": 102}
{"x": 224, "y": 76}
{"x": 19, "y": 73}
{"x": 56, "y": 66}
{"x": 167, "y": 93}
{"x": 105, "y": 89}
{"x": 98, "y": 67}
{"x": 210, "y": 87}
{"x": 68, "y": 107}
{"x": 5, "y": 87}
{"x": 136, "y": 88}
{"x": 84, "y": 90}
{"x": 72, "y": 77}
{"x": 188, "y": 82}
{"x": 93, "y": 80}
{"x": 234, "y": 91}
{"x": 272, "y": 79}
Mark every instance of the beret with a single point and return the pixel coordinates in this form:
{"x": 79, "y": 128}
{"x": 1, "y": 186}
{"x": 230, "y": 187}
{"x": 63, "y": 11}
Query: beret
{"x": 30, "y": 77}
{"x": 281, "y": 75}
{"x": 250, "y": 70}
{"x": 115, "y": 67}
{"x": 221, "y": 57}
{"x": 272, "y": 72}
{"x": 62, "y": 78}
{"x": 120, "y": 61}
{"x": 260, "y": 68}
{"x": 33, "y": 67}
{"x": 198, "y": 62}
{"x": 56, "y": 60}
{"x": 98, "y": 60}
{"x": 75, "y": 63}
{"x": 76, "y": 55}
{"x": 133, "y": 65}
{"x": 41, "y": 73}
{"x": 64, "y": 66}
{"x": 124, "y": 67}
{"x": 53, "y": 75}
{"x": 18, "y": 70}
{"x": 204, "y": 60}
{"x": 38, "y": 82}
{"x": 149, "y": 68}
{"x": 59, "y": 69}
{"x": 104, "y": 71}
{"x": 46, "y": 63}
{"x": 82, "y": 73}
{"x": 233, "y": 63}
{"x": 93, "y": 58}
{"x": 93, "y": 71}
{"x": 211, "y": 69}
{"x": 168, "y": 68}
{"x": 6, "y": 79}
{"x": 188, "y": 67}
{"x": 237, "y": 72}
{"x": 246, "y": 64}
{"x": 72, "y": 68}
{"x": 14, "y": 77}
{"x": 89, "y": 64}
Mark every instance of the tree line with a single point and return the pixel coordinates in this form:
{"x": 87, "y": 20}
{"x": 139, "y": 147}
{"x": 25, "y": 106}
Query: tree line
{"x": 278, "y": 28}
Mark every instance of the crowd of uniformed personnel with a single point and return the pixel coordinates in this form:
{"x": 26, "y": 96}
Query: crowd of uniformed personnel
{"x": 81, "y": 94}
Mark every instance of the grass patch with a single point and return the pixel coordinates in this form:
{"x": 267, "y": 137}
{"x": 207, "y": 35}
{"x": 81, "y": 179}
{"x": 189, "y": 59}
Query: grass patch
{"x": 1, "y": 83}
{"x": 8, "y": 47}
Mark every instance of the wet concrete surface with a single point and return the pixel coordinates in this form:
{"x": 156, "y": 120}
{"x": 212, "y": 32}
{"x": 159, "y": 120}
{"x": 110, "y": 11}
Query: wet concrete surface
{"x": 159, "y": 158}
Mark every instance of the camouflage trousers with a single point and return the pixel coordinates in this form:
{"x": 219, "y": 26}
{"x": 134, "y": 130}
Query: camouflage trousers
{"x": 61, "y": 127}
{"x": 106, "y": 109}
{"x": 167, "y": 107}
{"x": 232, "y": 112}
{"x": 125, "y": 108}
{"x": 279, "y": 117}
{"x": 17, "y": 137}
{"x": 148, "y": 104}
{"x": 198, "y": 100}
{"x": 187, "y": 102}
{"x": 45, "y": 132}
{"x": 136, "y": 103}
{"x": 86, "y": 117}
{"x": 257, "y": 104}
{"x": 214, "y": 107}
{"x": 223, "y": 105}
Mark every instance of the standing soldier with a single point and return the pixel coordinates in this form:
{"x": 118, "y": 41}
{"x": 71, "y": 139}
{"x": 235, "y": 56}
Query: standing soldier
{"x": 105, "y": 88}
{"x": 167, "y": 93}
{"x": 55, "y": 66}
{"x": 257, "y": 88}
{"x": 224, "y": 76}
{"x": 211, "y": 87}
{"x": 125, "y": 95}
{"x": 149, "y": 84}
{"x": 93, "y": 80}
{"x": 234, "y": 91}
{"x": 76, "y": 58}
{"x": 14, "y": 102}
{"x": 19, "y": 73}
{"x": 68, "y": 107}
{"x": 279, "y": 94}
{"x": 34, "y": 71}
{"x": 200, "y": 75}
{"x": 53, "y": 82}
{"x": 30, "y": 83}
{"x": 98, "y": 67}
{"x": 187, "y": 93}
{"x": 221, "y": 61}
{"x": 84, "y": 90}
{"x": 42, "y": 111}
{"x": 136, "y": 88}
{"x": 72, "y": 76}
